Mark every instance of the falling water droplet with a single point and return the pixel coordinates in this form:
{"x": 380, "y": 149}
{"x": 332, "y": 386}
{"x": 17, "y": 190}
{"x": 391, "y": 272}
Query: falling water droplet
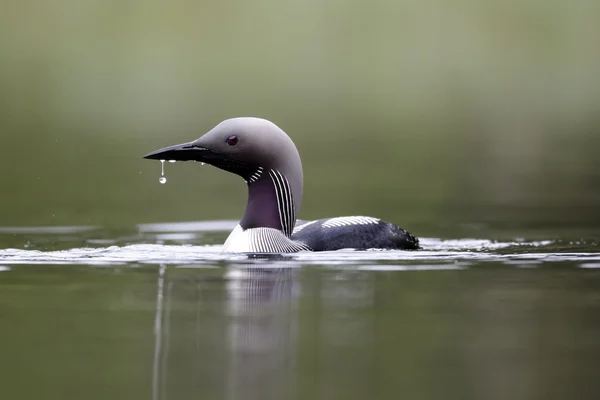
{"x": 162, "y": 178}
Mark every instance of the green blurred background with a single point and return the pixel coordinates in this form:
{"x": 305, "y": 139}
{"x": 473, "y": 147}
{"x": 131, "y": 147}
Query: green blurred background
{"x": 443, "y": 117}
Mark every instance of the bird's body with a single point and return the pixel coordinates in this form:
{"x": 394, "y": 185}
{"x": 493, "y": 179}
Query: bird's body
{"x": 356, "y": 232}
{"x": 267, "y": 159}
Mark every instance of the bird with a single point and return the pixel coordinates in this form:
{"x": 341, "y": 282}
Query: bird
{"x": 267, "y": 159}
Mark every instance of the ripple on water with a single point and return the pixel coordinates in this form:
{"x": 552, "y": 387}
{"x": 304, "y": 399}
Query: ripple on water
{"x": 590, "y": 265}
{"x": 41, "y": 230}
{"x": 420, "y": 267}
{"x": 436, "y": 254}
{"x": 194, "y": 226}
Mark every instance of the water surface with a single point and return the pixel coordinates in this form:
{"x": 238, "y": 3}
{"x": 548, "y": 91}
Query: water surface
{"x": 158, "y": 312}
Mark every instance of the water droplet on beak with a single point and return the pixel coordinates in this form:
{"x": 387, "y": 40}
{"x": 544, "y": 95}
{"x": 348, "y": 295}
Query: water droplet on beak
{"x": 163, "y": 178}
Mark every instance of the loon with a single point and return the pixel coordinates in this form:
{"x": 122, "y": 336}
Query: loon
{"x": 267, "y": 159}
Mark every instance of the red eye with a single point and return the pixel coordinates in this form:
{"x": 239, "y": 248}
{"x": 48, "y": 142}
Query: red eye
{"x": 232, "y": 140}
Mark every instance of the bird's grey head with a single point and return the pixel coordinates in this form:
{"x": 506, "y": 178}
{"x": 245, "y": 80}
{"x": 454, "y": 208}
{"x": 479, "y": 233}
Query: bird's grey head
{"x": 253, "y": 148}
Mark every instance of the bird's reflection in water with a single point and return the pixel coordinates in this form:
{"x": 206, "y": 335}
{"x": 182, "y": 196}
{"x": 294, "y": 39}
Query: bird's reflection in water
{"x": 232, "y": 335}
{"x": 261, "y": 332}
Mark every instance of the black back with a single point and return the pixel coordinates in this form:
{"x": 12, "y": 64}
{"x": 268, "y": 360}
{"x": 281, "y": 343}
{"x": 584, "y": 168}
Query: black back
{"x": 380, "y": 235}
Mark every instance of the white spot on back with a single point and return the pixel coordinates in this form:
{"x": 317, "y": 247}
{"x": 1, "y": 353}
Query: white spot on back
{"x": 349, "y": 221}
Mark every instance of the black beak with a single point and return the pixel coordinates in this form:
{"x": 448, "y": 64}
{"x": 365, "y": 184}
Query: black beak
{"x": 182, "y": 152}
{"x": 192, "y": 151}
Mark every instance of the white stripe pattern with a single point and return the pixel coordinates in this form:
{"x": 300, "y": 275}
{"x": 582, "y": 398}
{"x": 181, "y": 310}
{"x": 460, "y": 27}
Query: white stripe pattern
{"x": 285, "y": 201}
{"x": 347, "y": 221}
{"x": 261, "y": 240}
{"x": 254, "y": 177}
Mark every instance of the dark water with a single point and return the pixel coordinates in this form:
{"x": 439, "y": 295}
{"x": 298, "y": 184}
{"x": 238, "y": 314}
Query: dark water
{"x": 158, "y": 312}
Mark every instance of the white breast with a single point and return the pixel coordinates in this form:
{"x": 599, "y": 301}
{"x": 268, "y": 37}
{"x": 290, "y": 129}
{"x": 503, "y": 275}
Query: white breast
{"x": 261, "y": 240}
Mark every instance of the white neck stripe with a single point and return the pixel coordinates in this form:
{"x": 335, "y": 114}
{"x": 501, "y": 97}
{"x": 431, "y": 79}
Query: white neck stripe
{"x": 285, "y": 201}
